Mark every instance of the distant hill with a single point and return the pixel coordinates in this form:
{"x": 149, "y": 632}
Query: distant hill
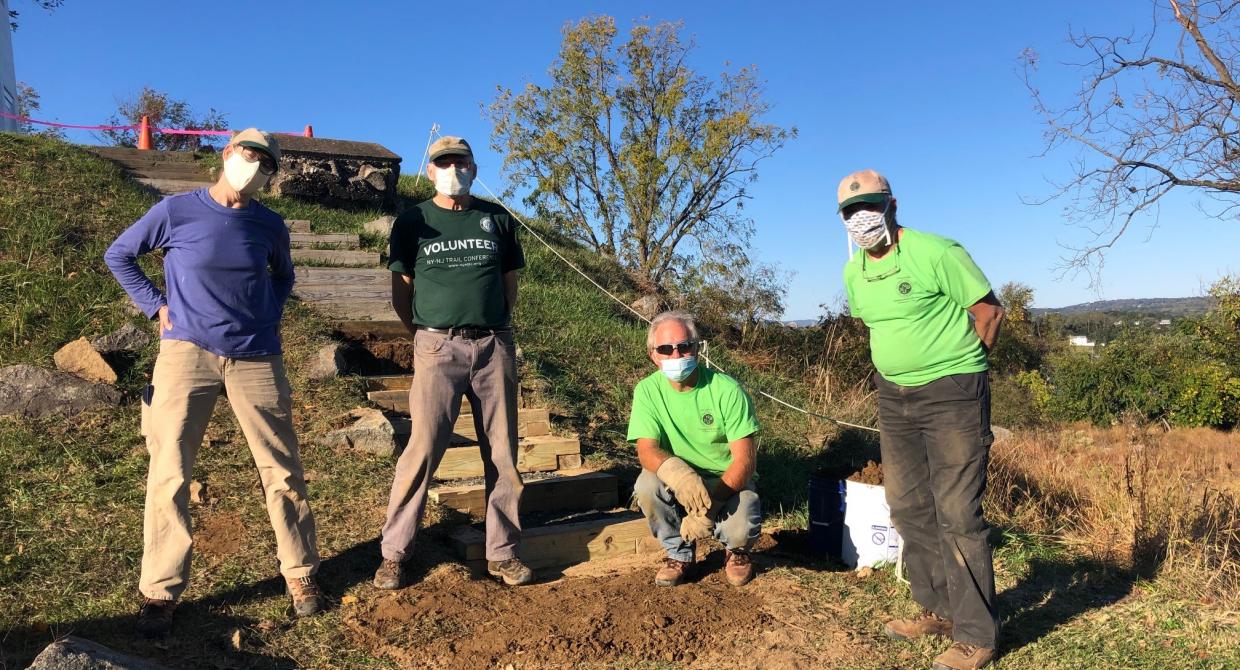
{"x": 1162, "y": 307}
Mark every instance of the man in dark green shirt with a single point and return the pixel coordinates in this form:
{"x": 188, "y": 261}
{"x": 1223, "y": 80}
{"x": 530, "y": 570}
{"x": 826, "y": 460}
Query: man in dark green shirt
{"x": 454, "y": 262}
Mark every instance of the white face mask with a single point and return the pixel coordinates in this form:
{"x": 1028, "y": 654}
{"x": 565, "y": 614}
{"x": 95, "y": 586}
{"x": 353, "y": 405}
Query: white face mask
{"x": 678, "y": 369}
{"x": 453, "y": 181}
{"x": 868, "y": 229}
{"x": 243, "y": 175}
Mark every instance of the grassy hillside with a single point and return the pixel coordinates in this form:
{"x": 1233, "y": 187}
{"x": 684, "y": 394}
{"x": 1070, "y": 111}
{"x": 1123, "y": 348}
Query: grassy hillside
{"x": 71, "y": 492}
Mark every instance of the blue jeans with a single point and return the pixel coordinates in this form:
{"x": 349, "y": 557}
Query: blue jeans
{"x": 739, "y": 522}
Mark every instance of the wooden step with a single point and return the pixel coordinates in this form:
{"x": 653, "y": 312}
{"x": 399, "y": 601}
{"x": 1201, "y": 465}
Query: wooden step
{"x": 344, "y": 277}
{"x": 569, "y": 491}
{"x": 530, "y": 422}
{"x": 348, "y": 258}
{"x": 388, "y": 383}
{"x": 322, "y": 293}
{"x": 534, "y": 454}
{"x": 615, "y": 533}
{"x": 396, "y": 399}
{"x": 172, "y": 186}
{"x": 297, "y": 225}
{"x": 355, "y": 309}
{"x": 324, "y": 241}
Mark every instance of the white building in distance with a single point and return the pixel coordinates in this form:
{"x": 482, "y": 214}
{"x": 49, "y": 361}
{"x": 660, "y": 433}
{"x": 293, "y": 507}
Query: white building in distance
{"x": 8, "y": 74}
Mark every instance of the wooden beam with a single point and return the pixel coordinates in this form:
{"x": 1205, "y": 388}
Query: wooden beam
{"x": 334, "y": 257}
{"x": 388, "y": 383}
{"x": 618, "y": 533}
{"x": 297, "y": 225}
{"x": 333, "y": 240}
{"x": 386, "y": 328}
{"x": 531, "y": 422}
{"x": 354, "y": 309}
{"x": 571, "y": 491}
{"x": 339, "y": 293}
{"x": 309, "y": 275}
{"x": 534, "y": 454}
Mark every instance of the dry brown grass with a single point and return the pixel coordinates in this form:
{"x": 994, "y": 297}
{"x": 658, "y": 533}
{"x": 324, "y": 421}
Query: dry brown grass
{"x": 1165, "y": 504}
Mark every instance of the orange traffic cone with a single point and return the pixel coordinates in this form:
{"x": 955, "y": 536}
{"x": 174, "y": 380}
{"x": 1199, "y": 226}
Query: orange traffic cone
{"x": 144, "y": 134}
{"x": 309, "y": 132}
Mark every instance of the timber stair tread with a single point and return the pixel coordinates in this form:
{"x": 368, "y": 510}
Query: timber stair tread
{"x": 345, "y": 257}
{"x": 540, "y": 453}
{"x": 572, "y": 490}
{"x": 591, "y": 537}
{"x": 343, "y": 241}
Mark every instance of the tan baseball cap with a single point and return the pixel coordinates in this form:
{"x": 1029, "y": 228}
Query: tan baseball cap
{"x": 863, "y": 186}
{"x": 450, "y": 146}
{"x": 257, "y": 139}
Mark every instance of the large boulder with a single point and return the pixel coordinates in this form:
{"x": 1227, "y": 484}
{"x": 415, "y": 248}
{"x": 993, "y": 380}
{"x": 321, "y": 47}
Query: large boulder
{"x": 648, "y": 306}
{"x": 337, "y": 172}
{"x": 80, "y": 358}
{"x": 75, "y": 653}
{"x": 380, "y": 226}
{"x": 126, "y": 339}
{"x": 371, "y": 432}
{"x": 33, "y": 392}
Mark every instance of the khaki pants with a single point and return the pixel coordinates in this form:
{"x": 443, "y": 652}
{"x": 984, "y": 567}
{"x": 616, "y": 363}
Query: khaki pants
{"x": 186, "y": 383}
{"x": 485, "y": 372}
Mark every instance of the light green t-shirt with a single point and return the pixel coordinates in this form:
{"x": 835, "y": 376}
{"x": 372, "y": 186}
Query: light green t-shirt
{"x": 915, "y": 302}
{"x": 697, "y": 425}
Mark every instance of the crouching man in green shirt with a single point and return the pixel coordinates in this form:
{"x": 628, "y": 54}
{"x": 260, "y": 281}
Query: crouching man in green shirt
{"x": 933, "y": 320}
{"x": 694, "y": 430}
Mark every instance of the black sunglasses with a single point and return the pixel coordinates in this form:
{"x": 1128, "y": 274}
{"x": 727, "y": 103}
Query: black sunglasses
{"x": 685, "y": 347}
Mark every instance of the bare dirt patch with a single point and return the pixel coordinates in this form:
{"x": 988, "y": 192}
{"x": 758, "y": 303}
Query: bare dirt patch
{"x": 219, "y": 534}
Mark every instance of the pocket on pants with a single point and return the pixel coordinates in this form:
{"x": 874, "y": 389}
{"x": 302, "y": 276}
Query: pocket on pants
{"x": 428, "y": 345}
{"x": 969, "y": 384}
{"x": 148, "y": 393}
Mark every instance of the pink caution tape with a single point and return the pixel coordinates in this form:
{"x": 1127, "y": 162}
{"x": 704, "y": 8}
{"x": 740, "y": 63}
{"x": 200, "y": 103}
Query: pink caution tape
{"x": 165, "y": 131}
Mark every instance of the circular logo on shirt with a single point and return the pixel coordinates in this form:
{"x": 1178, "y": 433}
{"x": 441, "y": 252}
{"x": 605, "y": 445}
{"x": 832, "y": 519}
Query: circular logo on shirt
{"x": 708, "y": 419}
{"x": 487, "y": 224}
{"x": 905, "y": 287}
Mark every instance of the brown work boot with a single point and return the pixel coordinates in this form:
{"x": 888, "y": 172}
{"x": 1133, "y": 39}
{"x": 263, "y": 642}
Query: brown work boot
{"x": 737, "y": 568}
{"x": 307, "y": 598}
{"x": 673, "y": 572}
{"x": 512, "y": 571}
{"x": 391, "y": 575}
{"x": 155, "y": 617}
{"x": 926, "y": 623}
{"x": 961, "y": 656}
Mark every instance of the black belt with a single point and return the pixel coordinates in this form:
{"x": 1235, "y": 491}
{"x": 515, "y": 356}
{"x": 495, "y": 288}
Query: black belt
{"x": 468, "y": 332}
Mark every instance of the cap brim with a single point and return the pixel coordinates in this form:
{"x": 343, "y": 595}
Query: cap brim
{"x": 451, "y": 152}
{"x": 260, "y": 147}
{"x": 874, "y": 198}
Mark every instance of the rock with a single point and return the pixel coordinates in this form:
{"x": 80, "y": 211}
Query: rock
{"x": 197, "y": 492}
{"x": 372, "y": 432}
{"x": 33, "y": 392}
{"x": 75, "y": 653}
{"x": 380, "y": 226}
{"x": 330, "y": 362}
{"x": 127, "y": 338}
{"x": 648, "y": 306}
{"x": 80, "y": 358}
{"x": 337, "y": 172}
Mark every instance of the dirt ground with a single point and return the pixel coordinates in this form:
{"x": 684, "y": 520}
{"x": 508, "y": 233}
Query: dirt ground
{"x": 596, "y": 614}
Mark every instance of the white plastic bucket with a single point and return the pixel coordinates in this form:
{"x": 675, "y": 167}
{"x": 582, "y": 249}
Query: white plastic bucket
{"x": 869, "y": 538}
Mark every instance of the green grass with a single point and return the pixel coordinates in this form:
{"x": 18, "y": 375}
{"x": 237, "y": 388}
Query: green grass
{"x": 71, "y": 492}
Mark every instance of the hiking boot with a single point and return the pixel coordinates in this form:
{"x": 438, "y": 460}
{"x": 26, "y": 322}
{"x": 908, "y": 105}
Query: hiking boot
{"x": 926, "y": 623}
{"x": 673, "y": 572}
{"x": 391, "y": 575}
{"x": 737, "y": 568}
{"x": 961, "y": 656}
{"x": 512, "y": 571}
{"x": 307, "y": 599}
{"x": 155, "y": 617}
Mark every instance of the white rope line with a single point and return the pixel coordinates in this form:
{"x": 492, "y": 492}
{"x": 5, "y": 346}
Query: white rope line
{"x": 639, "y": 315}
{"x": 430, "y": 137}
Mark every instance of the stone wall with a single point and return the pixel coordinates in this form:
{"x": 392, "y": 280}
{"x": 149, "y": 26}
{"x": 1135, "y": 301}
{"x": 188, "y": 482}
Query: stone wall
{"x": 337, "y": 172}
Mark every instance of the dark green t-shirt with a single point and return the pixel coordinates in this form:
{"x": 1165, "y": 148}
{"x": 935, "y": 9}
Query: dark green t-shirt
{"x": 457, "y": 260}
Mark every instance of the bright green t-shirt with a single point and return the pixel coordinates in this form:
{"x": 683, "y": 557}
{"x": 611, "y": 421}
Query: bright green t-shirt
{"x": 915, "y": 302}
{"x": 457, "y": 260}
{"x": 697, "y": 425}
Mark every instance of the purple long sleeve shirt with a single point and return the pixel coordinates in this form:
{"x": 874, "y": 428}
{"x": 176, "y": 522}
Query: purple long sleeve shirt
{"x": 228, "y": 272}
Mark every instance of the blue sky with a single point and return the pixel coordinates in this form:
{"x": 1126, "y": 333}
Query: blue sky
{"x": 929, "y": 94}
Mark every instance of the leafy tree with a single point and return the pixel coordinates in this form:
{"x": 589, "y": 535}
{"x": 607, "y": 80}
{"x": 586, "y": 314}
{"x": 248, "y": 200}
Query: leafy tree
{"x": 28, "y": 104}
{"x": 1152, "y": 116}
{"x": 164, "y": 111}
{"x": 1019, "y": 348}
{"x": 633, "y": 153}
{"x": 48, "y": 5}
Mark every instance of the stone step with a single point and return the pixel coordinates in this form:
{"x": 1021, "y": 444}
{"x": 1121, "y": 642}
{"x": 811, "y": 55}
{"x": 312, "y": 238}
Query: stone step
{"x": 324, "y": 240}
{"x": 531, "y": 422}
{"x": 334, "y": 257}
{"x": 595, "y": 537}
{"x": 542, "y": 453}
{"x": 566, "y": 491}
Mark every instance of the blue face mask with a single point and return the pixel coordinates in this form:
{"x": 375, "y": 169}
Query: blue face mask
{"x": 679, "y": 369}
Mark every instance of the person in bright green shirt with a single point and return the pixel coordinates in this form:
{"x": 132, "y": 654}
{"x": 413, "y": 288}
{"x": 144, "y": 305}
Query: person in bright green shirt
{"x": 694, "y": 430}
{"x": 933, "y": 320}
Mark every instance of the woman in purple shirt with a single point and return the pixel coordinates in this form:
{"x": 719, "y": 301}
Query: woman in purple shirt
{"x": 228, "y": 273}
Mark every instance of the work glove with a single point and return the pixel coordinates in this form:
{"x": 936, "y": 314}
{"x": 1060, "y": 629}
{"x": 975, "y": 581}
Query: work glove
{"x": 686, "y": 484}
{"x": 701, "y": 526}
